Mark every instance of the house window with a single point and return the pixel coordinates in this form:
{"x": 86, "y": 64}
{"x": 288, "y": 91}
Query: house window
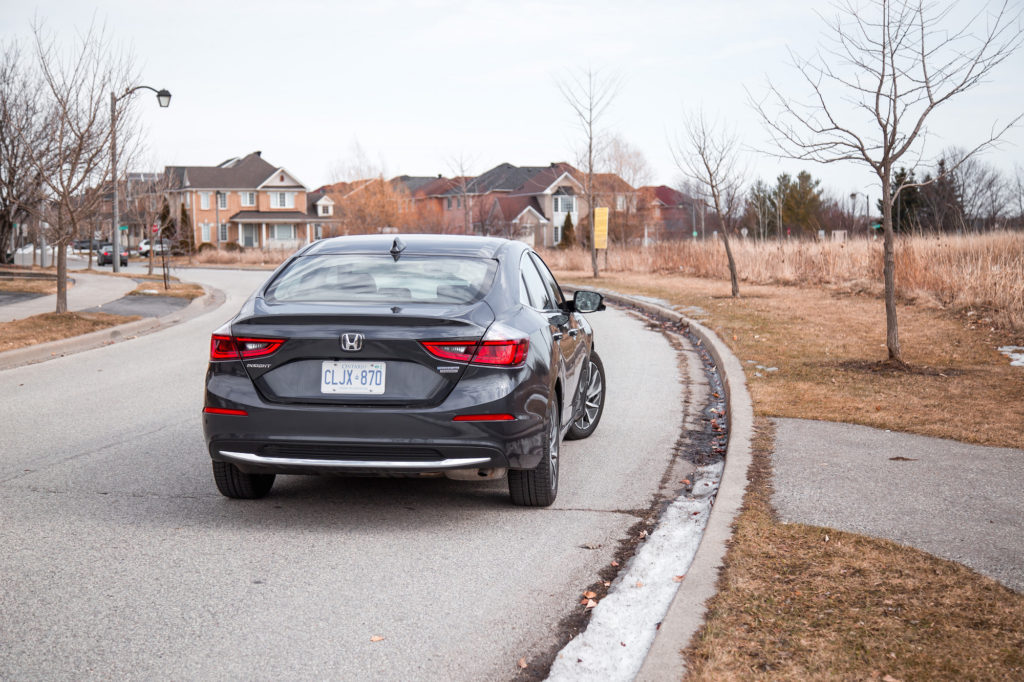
{"x": 620, "y": 203}
{"x": 222, "y": 200}
{"x": 223, "y": 234}
{"x": 282, "y": 232}
{"x": 318, "y": 231}
{"x": 449, "y": 203}
{"x": 564, "y": 204}
{"x": 248, "y": 198}
{"x": 282, "y": 199}
{"x": 325, "y": 209}
{"x": 204, "y": 201}
{"x": 206, "y": 232}
{"x": 188, "y": 200}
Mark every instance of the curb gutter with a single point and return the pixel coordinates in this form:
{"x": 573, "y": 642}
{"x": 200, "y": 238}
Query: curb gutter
{"x": 212, "y": 299}
{"x": 685, "y": 616}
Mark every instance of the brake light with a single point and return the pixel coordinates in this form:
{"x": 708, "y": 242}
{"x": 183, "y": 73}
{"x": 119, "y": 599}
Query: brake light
{"x": 224, "y": 347}
{"x": 224, "y": 410}
{"x": 483, "y": 418}
{"x": 500, "y": 352}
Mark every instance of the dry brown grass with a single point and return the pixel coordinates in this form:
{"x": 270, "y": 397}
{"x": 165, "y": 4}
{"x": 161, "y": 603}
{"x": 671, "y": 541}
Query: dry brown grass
{"x": 258, "y": 258}
{"x": 30, "y": 285}
{"x": 155, "y": 287}
{"x": 828, "y": 347}
{"x": 797, "y": 602}
{"x": 791, "y": 605}
{"x": 984, "y": 273}
{"x": 53, "y": 326}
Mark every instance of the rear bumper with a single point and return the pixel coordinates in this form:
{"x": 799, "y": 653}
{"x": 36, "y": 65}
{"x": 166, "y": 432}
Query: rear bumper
{"x": 319, "y": 439}
{"x": 346, "y": 459}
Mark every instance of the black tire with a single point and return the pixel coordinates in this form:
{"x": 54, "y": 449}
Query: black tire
{"x": 234, "y": 483}
{"x": 593, "y": 401}
{"x": 538, "y": 487}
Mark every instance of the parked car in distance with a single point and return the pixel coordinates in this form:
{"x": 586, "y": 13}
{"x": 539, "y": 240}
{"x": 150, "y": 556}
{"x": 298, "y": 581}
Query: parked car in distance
{"x": 83, "y": 244}
{"x": 404, "y": 355}
{"x": 106, "y": 255}
{"x": 159, "y": 247}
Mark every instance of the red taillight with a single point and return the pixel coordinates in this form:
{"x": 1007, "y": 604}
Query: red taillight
{"x": 451, "y": 350}
{"x": 483, "y": 418}
{"x": 237, "y": 348}
{"x": 224, "y": 410}
{"x": 501, "y": 353}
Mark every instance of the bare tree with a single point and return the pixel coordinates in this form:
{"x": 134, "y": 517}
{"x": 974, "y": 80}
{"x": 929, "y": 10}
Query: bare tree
{"x": 982, "y": 188}
{"x": 629, "y": 164}
{"x": 888, "y": 68}
{"x": 709, "y": 156}
{"x": 459, "y": 167}
{"x": 23, "y": 126}
{"x": 589, "y": 95}
{"x": 76, "y": 85}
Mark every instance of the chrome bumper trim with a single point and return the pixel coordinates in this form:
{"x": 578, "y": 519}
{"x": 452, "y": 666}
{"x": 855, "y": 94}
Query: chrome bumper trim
{"x": 251, "y": 458}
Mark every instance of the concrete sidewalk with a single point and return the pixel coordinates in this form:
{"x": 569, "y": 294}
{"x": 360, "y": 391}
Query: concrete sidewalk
{"x": 89, "y": 291}
{"x": 956, "y": 501}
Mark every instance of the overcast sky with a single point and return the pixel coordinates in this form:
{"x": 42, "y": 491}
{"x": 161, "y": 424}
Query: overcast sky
{"x": 416, "y": 84}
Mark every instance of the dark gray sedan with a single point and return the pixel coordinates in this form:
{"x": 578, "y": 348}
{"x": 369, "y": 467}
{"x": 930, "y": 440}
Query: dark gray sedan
{"x": 410, "y": 355}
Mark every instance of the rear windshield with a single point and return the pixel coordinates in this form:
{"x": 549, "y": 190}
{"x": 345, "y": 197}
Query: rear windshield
{"x": 361, "y": 278}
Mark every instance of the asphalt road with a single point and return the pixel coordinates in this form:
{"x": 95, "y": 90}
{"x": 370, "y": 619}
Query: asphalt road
{"x": 119, "y": 559}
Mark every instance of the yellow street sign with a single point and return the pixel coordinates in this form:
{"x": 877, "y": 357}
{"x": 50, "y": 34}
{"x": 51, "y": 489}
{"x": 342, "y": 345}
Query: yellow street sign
{"x": 601, "y": 227}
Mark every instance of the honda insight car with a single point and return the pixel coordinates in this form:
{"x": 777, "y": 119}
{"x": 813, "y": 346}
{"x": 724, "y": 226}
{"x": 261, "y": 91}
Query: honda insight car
{"x": 404, "y": 355}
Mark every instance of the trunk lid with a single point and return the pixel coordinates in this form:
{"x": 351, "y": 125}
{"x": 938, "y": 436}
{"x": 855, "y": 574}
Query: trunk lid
{"x": 385, "y": 364}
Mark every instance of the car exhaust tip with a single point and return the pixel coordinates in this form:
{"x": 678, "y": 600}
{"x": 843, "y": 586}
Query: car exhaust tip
{"x": 476, "y": 474}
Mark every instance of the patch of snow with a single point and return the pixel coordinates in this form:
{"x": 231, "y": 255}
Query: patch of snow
{"x": 623, "y": 626}
{"x": 148, "y": 291}
{"x": 771, "y": 369}
{"x": 1015, "y": 353}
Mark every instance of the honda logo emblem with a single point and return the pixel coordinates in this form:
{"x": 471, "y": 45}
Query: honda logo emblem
{"x": 352, "y": 342}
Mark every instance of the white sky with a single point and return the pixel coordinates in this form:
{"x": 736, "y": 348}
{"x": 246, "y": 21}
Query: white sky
{"x": 421, "y": 82}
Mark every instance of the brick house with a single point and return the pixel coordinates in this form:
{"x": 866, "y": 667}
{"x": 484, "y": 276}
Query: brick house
{"x": 523, "y": 202}
{"x": 245, "y": 201}
{"x": 668, "y": 213}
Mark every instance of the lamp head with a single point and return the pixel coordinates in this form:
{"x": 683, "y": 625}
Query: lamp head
{"x": 164, "y": 98}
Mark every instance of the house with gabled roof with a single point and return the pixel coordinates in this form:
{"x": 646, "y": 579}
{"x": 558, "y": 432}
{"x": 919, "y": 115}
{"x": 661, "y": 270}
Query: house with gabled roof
{"x": 525, "y": 202}
{"x": 245, "y": 201}
{"x": 669, "y": 213}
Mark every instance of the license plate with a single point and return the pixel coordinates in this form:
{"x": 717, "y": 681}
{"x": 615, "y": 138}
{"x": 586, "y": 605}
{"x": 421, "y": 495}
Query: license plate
{"x": 352, "y": 378}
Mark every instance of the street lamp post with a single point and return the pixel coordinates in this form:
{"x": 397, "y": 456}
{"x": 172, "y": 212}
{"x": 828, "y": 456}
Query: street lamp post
{"x": 163, "y": 97}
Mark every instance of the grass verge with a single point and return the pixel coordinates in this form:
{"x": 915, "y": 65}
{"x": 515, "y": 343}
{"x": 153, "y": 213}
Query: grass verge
{"x": 30, "y": 285}
{"x": 177, "y": 289}
{"x": 827, "y": 346}
{"x": 798, "y": 602}
{"x": 54, "y": 326}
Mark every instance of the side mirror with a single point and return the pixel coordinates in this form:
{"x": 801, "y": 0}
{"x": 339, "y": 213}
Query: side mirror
{"x": 587, "y": 301}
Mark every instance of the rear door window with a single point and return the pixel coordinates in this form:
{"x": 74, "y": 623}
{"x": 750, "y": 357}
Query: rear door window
{"x": 540, "y": 295}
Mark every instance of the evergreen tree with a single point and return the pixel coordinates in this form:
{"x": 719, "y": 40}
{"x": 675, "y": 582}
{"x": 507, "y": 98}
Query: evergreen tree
{"x": 568, "y": 233}
{"x": 908, "y": 205}
{"x": 186, "y": 236}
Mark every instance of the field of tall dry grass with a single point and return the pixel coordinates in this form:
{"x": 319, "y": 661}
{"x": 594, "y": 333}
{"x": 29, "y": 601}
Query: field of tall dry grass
{"x": 984, "y": 273}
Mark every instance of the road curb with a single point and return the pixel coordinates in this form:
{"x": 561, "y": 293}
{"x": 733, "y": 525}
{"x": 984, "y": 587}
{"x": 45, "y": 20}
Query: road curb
{"x": 212, "y": 299}
{"x": 685, "y": 616}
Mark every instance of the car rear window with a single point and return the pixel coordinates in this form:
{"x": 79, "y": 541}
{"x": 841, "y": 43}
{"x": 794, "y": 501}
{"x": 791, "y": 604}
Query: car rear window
{"x": 363, "y": 278}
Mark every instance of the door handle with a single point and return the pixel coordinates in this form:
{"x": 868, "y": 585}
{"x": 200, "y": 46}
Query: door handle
{"x": 574, "y": 332}
{"x": 557, "y": 336}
